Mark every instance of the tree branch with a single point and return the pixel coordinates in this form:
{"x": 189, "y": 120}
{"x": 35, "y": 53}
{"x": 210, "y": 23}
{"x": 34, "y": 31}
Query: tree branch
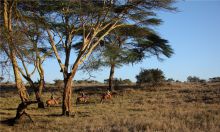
{"x": 52, "y": 43}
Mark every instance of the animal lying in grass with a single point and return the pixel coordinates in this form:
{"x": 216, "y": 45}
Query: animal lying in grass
{"x": 82, "y": 99}
{"x": 52, "y": 101}
{"x": 106, "y": 96}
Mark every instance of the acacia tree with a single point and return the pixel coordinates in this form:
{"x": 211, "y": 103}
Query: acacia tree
{"x": 28, "y": 48}
{"x": 130, "y": 44}
{"x": 95, "y": 22}
{"x": 9, "y": 42}
{"x": 34, "y": 54}
{"x": 90, "y": 22}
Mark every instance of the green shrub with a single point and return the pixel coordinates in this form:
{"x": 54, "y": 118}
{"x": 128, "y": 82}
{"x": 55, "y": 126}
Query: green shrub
{"x": 150, "y": 76}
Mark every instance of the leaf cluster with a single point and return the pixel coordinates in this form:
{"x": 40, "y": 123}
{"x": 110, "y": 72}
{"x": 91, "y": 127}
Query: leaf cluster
{"x": 150, "y": 76}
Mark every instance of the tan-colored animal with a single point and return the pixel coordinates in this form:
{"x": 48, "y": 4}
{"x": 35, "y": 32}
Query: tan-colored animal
{"x": 106, "y": 96}
{"x": 52, "y": 102}
{"x": 82, "y": 99}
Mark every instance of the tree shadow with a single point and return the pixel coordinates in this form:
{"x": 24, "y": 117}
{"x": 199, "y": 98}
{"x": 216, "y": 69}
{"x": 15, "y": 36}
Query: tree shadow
{"x": 54, "y": 115}
{"x": 59, "y": 115}
{"x": 83, "y": 114}
{"x": 8, "y": 109}
{"x": 136, "y": 109}
{"x": 5, "y": 113}
{"x": 13, "y": 121}
{"x": 8, "y": 122}
{"x": 85, "y": 103}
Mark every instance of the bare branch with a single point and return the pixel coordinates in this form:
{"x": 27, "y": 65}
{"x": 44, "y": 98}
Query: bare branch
{"x": 52, "y": 43}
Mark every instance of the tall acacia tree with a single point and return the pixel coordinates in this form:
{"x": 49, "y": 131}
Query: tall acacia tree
{"x": 129, "y": 44}
{"x": 28, "y": 49}
{"x": 90, "y": 22}
{"x": 35, "y": 53}
{"x": 9, "y": 43}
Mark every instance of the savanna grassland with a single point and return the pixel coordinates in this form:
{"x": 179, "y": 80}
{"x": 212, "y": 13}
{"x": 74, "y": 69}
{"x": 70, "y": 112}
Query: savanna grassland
{"x": 175, "y": 107}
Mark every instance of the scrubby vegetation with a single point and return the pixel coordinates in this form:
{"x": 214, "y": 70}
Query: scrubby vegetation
{"x": 150, "y": 76}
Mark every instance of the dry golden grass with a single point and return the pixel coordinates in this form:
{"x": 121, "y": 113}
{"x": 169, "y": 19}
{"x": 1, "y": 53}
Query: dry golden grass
{"x": 177, "y": 107}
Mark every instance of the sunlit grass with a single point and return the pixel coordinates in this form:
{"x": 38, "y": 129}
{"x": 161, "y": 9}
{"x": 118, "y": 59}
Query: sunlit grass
{"x": 167, "y": 108}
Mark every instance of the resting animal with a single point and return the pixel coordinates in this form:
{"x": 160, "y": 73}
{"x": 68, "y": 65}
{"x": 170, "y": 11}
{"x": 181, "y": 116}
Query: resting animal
{"x": 82, "y": 99}
{"x": 52, "y": 102}
{"x": 106, "y": 96}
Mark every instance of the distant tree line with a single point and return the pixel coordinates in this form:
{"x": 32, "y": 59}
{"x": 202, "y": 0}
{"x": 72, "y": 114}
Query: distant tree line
{"x": 214, "y": 79}
{"x": 86, "y": 82}
{"x": 195, "y": 79}
{"x": 118, "y": 81}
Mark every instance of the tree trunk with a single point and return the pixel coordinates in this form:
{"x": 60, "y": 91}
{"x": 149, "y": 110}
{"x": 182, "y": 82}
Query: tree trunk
{"x": 38, "y": 94}
{"x": 40, "y": 86}
{"x": 8, "y": 27}
{"x": 37, "y": 90}
{"x": 12, "y": 55}
{"x": 20, "y": 86}
{"x": 111, "y": 78}
{"x": 21, "y": 111}
{"x": 42, "y": 82}
{"x": 67, "y": 93}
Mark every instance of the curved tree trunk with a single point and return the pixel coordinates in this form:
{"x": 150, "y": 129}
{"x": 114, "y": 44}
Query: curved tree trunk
{"x": 21, "y": 110}
{"x": 8, "y": 28}
{"x": 37, "y": 90}
{"x": 41, "y": 74}
{"x": 111, "y": 78}
{"x": 41, "y": 85}
{"x": 20, "y": 86}
{"x": 39, "y": 93}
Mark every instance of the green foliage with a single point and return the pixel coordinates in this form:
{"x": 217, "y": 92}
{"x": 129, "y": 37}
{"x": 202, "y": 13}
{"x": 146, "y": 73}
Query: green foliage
{"x": 127, "y": 81}
{"x": 195, "y": 79}
{"x": 118, "y": 81}
{"x": 58, "y": 83}
{"x": 150, "y": 76}
{"x": 214, "y": 79}
{"x": 86, "y": 82}
{"x": 170, "y": 80}
{"x": 1, "y": 79}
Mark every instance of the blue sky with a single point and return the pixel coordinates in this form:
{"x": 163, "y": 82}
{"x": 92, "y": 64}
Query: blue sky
{"x": 193, "y": 33}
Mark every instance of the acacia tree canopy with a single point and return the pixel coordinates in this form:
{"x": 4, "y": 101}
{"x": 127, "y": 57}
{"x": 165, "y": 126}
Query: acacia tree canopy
{"x": 66, "y": 23}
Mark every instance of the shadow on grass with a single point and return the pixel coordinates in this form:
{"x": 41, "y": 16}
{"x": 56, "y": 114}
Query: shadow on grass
{"x": 85, "y": 103}
{"x": 136, "y": 109}
{"x": 9, "y": 109}
{"x": 83, "y": 114}
{"x": 52, "y": 115}
{"x": 9, "y": 122}
{"x": 59, "y": 115}
{"x": 5, "y": 113}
